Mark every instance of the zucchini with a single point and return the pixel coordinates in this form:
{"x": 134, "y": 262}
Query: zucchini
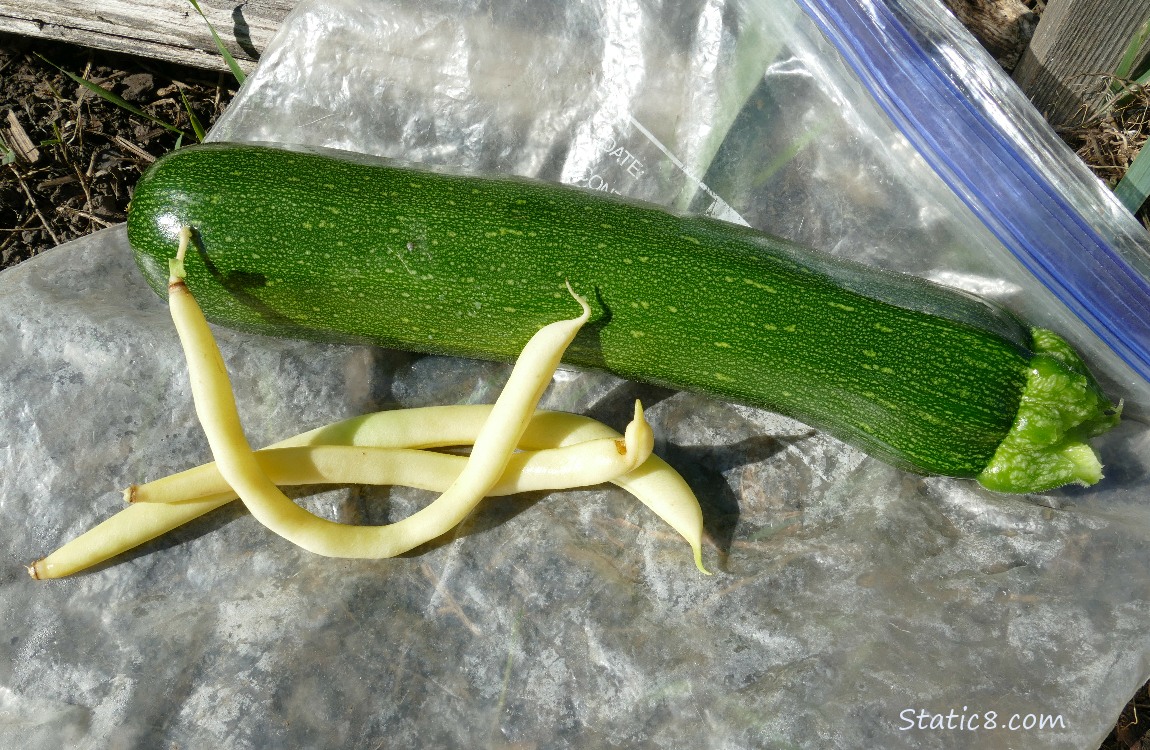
{"x": 336, "y": 247}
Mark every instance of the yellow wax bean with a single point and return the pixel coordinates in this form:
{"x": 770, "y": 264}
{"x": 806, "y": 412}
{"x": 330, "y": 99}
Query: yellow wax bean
{"x": 577, "y": 465}
{"x": 656, "y": 484}
{"x": 589, "y": 462}
{"x": 126, "y": 530}
{"x": 497, "y": 439}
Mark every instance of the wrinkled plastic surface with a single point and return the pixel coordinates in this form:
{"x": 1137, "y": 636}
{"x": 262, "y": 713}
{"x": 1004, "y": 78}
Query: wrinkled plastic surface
{"x": 849, "y": 600}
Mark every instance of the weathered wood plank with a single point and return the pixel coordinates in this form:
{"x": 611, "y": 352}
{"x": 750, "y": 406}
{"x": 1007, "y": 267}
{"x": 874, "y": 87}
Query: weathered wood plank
{"x": 1077, "y": 43}
{"x": 169, "y": 30}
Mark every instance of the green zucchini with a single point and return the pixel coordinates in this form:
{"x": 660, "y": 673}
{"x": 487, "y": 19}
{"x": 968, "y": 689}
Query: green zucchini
{"x": 345, "y": 248}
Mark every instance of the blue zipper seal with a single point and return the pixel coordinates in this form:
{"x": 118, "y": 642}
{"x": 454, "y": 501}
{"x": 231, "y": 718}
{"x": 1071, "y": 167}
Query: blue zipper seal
{"x": 1018, "y": 203}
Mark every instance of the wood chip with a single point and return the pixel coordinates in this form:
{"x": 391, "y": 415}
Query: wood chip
{"x": 17, "y": 139}
{"x": 84, "y": 214}
{"x": 56, "y": 182}
{"x": 133, "y": 149}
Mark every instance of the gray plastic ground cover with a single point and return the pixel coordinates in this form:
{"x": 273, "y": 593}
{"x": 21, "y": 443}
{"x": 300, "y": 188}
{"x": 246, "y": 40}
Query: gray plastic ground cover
{"x": 852, "y": 604}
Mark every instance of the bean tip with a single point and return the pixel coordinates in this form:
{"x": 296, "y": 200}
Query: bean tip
{"x": 176, "y": 270}
{"x": 580, "y": 299}
{"x": 638, "y": 438}
{"x": 699, "y": 561}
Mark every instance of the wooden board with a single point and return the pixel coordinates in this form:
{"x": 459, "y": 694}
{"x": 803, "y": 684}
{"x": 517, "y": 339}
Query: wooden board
{"x": 1077, "y": 43}
{"x": 169, "y": 30}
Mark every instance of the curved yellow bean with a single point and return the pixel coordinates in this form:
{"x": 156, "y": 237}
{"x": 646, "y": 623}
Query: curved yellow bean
{"x": 196, "y": 493}
{"x": 497, "y": 439}
{"x": 578, "y": 465}
{"x": 656, "y": 484}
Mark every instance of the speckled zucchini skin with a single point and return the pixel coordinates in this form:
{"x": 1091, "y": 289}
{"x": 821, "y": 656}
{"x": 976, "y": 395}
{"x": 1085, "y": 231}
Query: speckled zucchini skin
{"x": 322, "y": 246}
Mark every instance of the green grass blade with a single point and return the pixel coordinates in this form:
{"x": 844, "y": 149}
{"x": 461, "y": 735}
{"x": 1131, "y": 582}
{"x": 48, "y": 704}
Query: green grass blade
{"x": 1135, "y": 186}
{"x": 231, "y": 61}
{"x": 197, "y": 127}
{"x": 7, "y": 153}
{"x": 801, "y": 141}
{"x": 1126, "y": 65}
{"x": 111, "y": 97}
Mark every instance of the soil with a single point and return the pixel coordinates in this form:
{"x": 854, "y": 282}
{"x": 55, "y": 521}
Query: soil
{"x": 72, "y": 156}
{"x": 71, "y": 159}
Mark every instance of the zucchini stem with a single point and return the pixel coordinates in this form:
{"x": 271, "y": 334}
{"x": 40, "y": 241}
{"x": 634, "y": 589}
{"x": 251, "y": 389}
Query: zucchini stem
{"x": 1061, "y": 408}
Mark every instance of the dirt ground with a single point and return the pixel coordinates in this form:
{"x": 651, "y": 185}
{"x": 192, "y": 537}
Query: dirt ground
{"x": 71, "y": 159}
{"x": 74, "y": 156}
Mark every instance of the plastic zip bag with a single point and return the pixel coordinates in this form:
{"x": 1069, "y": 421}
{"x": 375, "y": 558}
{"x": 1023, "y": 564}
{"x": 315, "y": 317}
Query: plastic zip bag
{"x": 994, "y": 150}
{"x": 854, "y": 605}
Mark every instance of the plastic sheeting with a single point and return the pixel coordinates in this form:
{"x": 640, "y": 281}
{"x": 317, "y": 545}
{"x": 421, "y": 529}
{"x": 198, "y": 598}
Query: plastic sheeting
{"x": 852, "y": 605}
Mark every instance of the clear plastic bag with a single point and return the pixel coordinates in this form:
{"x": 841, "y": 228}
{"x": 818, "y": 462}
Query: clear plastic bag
{"x": 852, "y": 605}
